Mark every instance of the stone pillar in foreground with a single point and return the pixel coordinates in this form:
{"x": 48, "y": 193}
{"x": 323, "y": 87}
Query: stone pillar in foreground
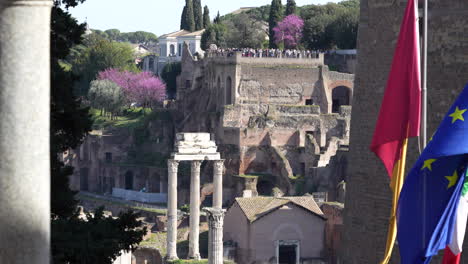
{"x": 194, "y": 252}
{"x": 215, "y": 235}
{"x": 172, "y": 166}
{"x": 24, "y": 131}
{"x": 218, "y": 167}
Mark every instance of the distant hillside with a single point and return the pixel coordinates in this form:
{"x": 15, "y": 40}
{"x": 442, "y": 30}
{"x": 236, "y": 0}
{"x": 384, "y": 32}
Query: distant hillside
{"x": 333, "y": 25}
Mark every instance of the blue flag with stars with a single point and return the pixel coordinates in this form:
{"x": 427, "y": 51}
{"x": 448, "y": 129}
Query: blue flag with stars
{"x": 428, "y": 201}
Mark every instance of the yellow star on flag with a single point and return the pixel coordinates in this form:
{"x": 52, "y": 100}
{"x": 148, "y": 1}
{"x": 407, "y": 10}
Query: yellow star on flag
{"x": 452, "y": 179}
{"x": 457, "y": 115}
{"x": 428, "y": 164}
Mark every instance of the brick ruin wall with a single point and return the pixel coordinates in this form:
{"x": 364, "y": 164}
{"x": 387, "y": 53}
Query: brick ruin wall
{"x": 368, "y": 197}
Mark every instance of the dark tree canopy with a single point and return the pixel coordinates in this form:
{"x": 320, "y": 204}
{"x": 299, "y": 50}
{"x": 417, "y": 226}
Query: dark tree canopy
{"x": 290, "y": 7}
{"x": 74, "y": 240}
{"x": 276, "y": 14}
{"x": 183, "y": 18}
{"x": 243, "y": 31}
{"x": 198, "y": 14}
{"x": 189, "y": 17}
{"x": 217, "y": 19}
{"x": 206, "y": 17}
{"x": 169, "y": 75}
{"x": 214, "y": 34}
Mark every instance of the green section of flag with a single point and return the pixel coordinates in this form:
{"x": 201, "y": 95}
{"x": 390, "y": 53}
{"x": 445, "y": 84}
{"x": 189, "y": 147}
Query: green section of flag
{"x": 465, "y": 186}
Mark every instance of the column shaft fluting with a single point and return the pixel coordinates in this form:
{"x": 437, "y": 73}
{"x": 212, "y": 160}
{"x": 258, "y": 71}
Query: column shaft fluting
{"x": 24, "y": 131}
{"x": 172, "y": 166}
{"x": 194, "y": 252}
{"x": 218, "y": 183}
{"x": 215, "y": 235}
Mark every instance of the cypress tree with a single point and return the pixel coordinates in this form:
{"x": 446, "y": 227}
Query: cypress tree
{"x": 183, "y": 21}
{"x": 206, "y": 17}
{"x": 276, "y": 14}
{"x": 217, "y": 19}
{"x": 290, "y": 7}
{"x": 189, "y": 16}
{"x": 187, "y": 21}
{"x": 198, "y": 15}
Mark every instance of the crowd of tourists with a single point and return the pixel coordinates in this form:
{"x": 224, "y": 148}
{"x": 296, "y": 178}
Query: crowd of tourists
{"x": 266, "y": 53}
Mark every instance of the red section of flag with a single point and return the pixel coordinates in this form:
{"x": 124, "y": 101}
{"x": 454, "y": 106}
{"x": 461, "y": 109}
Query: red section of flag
{"x": 450, "y": 258}
{"x": 400, "y": 111}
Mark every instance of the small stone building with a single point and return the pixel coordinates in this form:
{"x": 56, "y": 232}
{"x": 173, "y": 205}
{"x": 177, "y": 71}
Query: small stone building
{"x": 280, "y": 230}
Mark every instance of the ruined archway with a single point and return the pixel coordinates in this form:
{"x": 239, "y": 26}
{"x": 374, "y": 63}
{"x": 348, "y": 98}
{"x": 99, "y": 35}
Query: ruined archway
{"x": 341, "y": 95}
{"x": 229, "y": 91}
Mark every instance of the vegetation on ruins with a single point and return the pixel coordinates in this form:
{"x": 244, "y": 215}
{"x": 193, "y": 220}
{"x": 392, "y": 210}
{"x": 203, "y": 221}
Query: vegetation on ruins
{"x": 243, "y": 31}
{"x": 98, "y": 239}
{"x": 107, "y": 96}
{"x": 206, "y": 17}
{"x": 276, "y": 14}
{"x": 169, "y": 75}
{"x": 289, "y": 31}
{"x": 141, "y": 88}
{"x": 98, "y": 54}
{"x": 333, "y": 25}
{"x": 214, "y": 34}
{"x": 291, "y": 8}
{"x": 197, "y": 14}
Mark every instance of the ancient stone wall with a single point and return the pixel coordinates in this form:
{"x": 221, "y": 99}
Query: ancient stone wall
{"x": 368, "y": 197}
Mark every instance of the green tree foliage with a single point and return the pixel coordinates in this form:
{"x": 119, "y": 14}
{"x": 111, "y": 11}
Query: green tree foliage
{"x": 243, "y": 31}
{"x": 98, "y": 239}
{"x": 198, "y": 14}
{"x": 276, "y": 15}
{"x": 206, "y": 17}
{"x": 214, "y": 34}
{"x": 169, "y": 75}
{"x": 113, "y": 34}
{"x": 183, "y": 18}
{"x": 188, "y": 17}
{"x": 290, "y": 7}
{"x": 102, "y": 54}
{"x": 217, "y": 19}
{"x": 107, "y": 96}
{"x": 70, "y": 121}
{"x": 331, "y": 25}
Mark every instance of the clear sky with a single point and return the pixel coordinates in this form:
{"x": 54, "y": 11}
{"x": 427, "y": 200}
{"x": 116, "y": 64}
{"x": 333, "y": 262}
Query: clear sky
{"x": 157, "y": 16}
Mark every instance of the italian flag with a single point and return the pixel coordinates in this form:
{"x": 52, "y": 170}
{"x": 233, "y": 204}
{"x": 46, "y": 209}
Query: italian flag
{"x": 453, "y": 250}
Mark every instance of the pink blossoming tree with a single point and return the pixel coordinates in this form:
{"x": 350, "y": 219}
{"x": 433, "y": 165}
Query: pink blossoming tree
{"x": 141, "y": 88}
{"x": 289, "y": 31}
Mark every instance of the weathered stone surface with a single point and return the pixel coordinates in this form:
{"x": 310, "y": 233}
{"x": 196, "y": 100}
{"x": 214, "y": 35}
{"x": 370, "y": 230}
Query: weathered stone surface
{"x": 368, "y": 195}
{"x": 24, "y": 131}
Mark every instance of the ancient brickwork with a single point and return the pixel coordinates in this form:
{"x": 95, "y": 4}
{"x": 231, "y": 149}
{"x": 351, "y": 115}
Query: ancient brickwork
{"x": 276, "y": 116}
{"x": 368, "y": 197}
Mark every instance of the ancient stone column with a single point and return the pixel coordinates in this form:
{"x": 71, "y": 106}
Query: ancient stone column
{"x": 24, "y": 131}
{"x": 194, "y": 252}
{"x": 218, "y": 183}
{"x": 215, "y": 235}
{"x": 172, "y": 166}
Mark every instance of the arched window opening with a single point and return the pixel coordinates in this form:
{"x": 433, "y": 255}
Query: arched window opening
{"x": 340, "y": 96}
{"x": 172, "y": 50}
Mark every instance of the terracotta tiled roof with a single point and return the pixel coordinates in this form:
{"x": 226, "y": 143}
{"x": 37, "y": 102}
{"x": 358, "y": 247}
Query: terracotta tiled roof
{"x": 256, "y": 207}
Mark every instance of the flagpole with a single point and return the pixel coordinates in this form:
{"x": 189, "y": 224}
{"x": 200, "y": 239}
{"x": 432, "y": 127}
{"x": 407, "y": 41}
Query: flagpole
{"x": 424, "y": 79}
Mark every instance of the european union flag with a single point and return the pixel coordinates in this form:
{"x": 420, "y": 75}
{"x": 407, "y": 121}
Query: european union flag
{"x": 430, "y": 195}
